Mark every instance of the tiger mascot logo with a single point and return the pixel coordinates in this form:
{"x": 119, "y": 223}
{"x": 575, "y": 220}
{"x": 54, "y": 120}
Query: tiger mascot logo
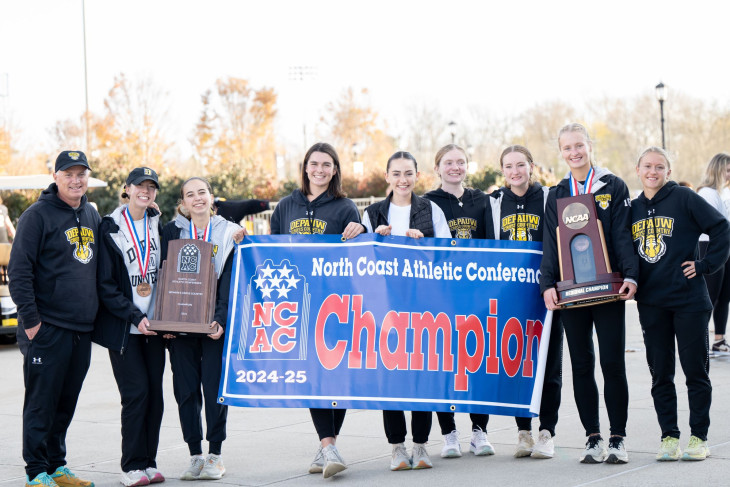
{"x": 650, "y": 234}
{"x": 82, "y": 244}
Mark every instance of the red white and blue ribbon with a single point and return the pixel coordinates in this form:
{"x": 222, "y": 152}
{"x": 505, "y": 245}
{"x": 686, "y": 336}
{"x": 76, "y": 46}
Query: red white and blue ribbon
{"x": 142, "y": 254}
{"x": 194, "y": 232}
{"x": 587, "y": 187}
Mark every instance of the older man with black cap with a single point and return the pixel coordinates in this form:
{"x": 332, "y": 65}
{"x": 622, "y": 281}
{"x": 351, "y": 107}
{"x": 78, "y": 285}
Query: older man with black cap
{"x": 52, "y": 274}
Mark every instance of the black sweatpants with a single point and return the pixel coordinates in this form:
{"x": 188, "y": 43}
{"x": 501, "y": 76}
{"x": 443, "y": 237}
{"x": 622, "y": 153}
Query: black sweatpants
{"x": 660, "y": 328}
{"x": 609, "y": 320}
{"x": 718, "y": 286}
{"x": 447, "y": 423}
{"x": 394, "y": 423}
{"x": 327, "y": 422}
{"x": 196, "y": 361}
{"x": 553, "y": 382}
{"x": 138, "y": 372}
{"x": 55, "y": 363}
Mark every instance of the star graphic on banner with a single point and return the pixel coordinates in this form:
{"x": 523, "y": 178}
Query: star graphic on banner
{"x": 275, "y": 281}
{"x": 284, "y": 271}
{"x": 268, "y": 272}
{"x": 283, "y": 291}
{"x": 292, "y": 281}
{"x": 259, "y": 282}
{"x": 266, "y": 291}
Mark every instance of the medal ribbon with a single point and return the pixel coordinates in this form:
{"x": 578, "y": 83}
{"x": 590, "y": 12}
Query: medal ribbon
{"x": 142, "y": 254}
{"x": 194, "y": 232}
{"x": 587, "y": 187}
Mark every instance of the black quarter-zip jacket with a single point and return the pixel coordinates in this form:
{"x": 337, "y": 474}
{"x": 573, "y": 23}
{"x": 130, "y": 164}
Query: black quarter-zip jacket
{"x": 665, "y": 230}
{"x": 325, "y": 215}
{"x": 465, "y": 220}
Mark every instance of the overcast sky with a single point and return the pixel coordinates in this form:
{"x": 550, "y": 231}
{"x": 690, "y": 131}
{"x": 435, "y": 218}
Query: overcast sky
{"x": 504, "y": 55}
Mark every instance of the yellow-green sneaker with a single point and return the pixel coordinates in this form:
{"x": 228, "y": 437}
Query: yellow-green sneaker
{"x": 40, "y": 480}
{"x": 66, "y": 478}
{"x": 669, "y": 450}
{"x": 696, "y": 449}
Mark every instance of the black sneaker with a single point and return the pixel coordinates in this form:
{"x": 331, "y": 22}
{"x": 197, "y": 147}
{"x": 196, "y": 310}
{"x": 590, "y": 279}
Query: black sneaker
{"x": 617, "y": 450}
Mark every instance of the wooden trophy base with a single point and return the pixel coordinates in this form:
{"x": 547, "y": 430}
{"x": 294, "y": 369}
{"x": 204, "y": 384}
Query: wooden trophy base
{"x": 605, "y": 289}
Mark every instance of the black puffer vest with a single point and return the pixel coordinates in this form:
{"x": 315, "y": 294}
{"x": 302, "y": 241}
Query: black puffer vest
{"x": 421, "y": 218}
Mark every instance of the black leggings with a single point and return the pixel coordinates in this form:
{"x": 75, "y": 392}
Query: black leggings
{"x": 394, "y": 423}
{"x": 327, "y": 422}
{"x": 718, "y": 285}
{"x": 610, "y": 325}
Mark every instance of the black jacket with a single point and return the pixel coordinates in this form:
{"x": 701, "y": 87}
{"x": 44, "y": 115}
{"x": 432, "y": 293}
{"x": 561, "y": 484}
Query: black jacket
{"x": 665, "y": 230}
{"x": 52, "y": 271}
{"x": 327, "y": 215}
{"x": 421, "y": 217}
{"x": 465, "y": 220}
{"x": 172, "y": 232}
{"x": 116, "y": 308}
{"x": 512, "y": 217}
{"x": 613, "y": 207}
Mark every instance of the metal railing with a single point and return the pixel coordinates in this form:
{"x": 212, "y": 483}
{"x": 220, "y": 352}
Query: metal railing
{"x": 260, "y": 223}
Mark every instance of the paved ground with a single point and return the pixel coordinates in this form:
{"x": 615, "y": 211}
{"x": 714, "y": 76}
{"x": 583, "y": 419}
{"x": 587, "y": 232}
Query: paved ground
{"x": 275, "y": 446}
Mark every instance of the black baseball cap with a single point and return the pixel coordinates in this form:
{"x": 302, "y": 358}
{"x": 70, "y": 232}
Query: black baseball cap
{"x": 140, "y": 174}
{"x": 70, "y": 158}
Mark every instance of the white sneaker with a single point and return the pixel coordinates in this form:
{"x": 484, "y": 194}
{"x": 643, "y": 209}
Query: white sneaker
{"x": 333, "y": 462}
{"x": 545, "y": 447}
{"x": 318, "y": 463}
{"x": 213, "y": 468}
{"x": 595, "y": 451}
{"x": 197, "y": 462}
{"x": 617, "y": 450}
{"x": 420, "y": 457}
{"x": 452, "y": 447}
{"x": 524, "y": 444}
{"x": 479, "y": 444}
{"x": 400, "y": 459}
{"x": 134, "y": 478}
{"x": 154, "y": 475}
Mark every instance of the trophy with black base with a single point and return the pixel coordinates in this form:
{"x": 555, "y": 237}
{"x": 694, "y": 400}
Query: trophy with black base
{"x": 586, "y": 278}
{"x": 186, "y": 288}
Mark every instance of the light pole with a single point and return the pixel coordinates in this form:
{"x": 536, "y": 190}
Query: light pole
{"x": 452, "y": 131}
{"x": 661, "y": 95}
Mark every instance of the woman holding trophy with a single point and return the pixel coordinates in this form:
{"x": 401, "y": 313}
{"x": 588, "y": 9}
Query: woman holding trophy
{"x": 129, "y": 256}
{"x": 612, "y": 208}
{"x": 196, "y": 359}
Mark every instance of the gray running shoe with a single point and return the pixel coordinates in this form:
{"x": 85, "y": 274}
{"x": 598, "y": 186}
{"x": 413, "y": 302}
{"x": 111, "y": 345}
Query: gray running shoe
{"x": 333, "y": 462}
{"x": 318, "y": 462}
{"x": 595, "y": 451}
{"x": 420, "y": 457}
{"x": 400, "y": 459}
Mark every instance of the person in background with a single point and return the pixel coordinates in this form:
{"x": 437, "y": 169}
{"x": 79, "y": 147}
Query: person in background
{"x": 405, "y": 214}
{"x": 320, "y": 206}
{"x": 672, "y": 299}
{"x": 464, "y": 212}
{"x": 129, "y": 255}
{"x": 6, "y": 225}
{"x": 614, "y": 211}
{"x": 715, "y": 179}
{"x": 52, "y": 274}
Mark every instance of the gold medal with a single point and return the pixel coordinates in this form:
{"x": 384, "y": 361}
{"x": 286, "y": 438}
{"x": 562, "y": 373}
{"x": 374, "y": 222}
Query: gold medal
{"x": 144, "y": 289}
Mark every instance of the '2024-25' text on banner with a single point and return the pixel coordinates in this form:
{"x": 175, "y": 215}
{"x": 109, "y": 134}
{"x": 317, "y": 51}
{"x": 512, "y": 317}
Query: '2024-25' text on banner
{"x": 386, "y": 323}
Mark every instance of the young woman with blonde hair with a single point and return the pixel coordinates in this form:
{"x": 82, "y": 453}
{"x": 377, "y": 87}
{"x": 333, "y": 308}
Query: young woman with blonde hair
{"x": 613, "y": 210}
{"x": 715, "y": 179}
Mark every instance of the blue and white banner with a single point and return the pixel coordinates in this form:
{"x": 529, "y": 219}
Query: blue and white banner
{"x": 386, "y": 323}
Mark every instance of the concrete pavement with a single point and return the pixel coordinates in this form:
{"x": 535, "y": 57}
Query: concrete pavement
{"x": 275, "y": 446}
